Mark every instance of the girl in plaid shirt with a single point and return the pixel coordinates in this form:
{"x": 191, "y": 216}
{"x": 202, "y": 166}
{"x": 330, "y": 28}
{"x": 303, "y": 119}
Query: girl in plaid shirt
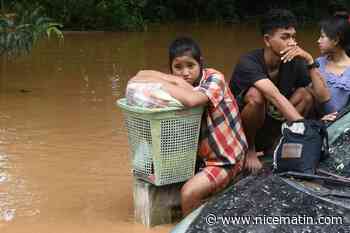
{"x": 222, "y": 143}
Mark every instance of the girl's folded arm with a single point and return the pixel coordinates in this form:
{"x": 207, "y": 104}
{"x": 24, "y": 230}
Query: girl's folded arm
{"x": 188, "y": 97}
{"x": 175, "y": 86}
{"x": 156, "y": 76}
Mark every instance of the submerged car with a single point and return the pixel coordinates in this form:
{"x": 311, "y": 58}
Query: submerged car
{"x": 284, "y": 203}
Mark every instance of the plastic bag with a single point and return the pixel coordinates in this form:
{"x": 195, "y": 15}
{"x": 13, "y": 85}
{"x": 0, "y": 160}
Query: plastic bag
{"x": 149, "y": 95}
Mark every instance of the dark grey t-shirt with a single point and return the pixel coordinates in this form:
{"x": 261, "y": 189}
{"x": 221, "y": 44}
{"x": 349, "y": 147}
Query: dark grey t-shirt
{"x": 251, "y": 68}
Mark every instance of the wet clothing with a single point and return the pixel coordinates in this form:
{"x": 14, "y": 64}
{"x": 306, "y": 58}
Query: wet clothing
{"x": 267, "y": 136}
{"x": 220, "y": 177}
{"x": 222, "y": 140}
{"x": 339, "y": 87}
{"x": 251, "y": 68}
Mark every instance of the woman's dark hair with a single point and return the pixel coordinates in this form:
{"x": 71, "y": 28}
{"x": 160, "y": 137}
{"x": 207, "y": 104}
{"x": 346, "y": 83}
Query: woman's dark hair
{"x": 337, "y": 28}
{"x": 275, "y": 19}
{"x": 183, "y": 46}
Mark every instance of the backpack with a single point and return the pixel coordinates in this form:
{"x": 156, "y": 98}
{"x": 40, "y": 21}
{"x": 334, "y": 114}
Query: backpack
{"x": 302, "y": 145}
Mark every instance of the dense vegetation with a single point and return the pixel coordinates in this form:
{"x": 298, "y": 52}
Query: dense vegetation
{"x": 21, "y": 30}
{"x": 137, "y": 14}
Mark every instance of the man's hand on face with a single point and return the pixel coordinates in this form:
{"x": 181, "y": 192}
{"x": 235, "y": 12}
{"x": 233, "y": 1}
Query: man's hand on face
{"x": 291, "y": 52}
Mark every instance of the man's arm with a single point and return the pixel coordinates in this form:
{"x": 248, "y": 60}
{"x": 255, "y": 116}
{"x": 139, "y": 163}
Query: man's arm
{"x": 175, "y": 86}
{"x": 319, "y": 87}
{"x": 272, "y": 94}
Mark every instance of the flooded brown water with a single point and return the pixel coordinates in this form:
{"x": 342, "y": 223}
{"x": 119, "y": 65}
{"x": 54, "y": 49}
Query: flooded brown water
{"x": 64, "y": 163}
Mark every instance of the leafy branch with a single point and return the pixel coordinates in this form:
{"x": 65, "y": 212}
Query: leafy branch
{"x": 19, "y": 32}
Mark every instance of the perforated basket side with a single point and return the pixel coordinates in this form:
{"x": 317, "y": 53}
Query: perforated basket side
{"x": 140, "y": 145}
{"x": 175, "y": 160}
{"x": 163, "y": 144}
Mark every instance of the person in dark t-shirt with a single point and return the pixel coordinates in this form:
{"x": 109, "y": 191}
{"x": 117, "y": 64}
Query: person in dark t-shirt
{"x": 277, "y": 83}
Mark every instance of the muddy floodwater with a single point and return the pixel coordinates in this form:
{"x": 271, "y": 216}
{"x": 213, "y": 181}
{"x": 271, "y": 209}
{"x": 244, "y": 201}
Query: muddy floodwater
{"x": 64, "y": 162}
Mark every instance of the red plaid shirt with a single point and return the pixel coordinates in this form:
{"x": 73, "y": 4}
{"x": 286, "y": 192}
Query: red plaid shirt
{"x": 222, "y": 140}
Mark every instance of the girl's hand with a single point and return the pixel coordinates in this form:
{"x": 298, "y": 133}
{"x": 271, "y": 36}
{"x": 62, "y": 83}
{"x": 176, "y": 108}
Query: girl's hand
{"x": 148, "y": 73}
{"x": 330, "y": 117}
{"x": 148, "y": 76}
{"x": 153, "y": 75}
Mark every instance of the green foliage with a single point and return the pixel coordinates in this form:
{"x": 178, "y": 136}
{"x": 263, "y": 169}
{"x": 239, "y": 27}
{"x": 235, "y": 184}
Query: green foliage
{"x": 136, "y": 14}
{"x": 20, "y": 31}
{"x": 95, "y": 14}
{"x": 224, "y": 10}
{"x": 122, "y": 14}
